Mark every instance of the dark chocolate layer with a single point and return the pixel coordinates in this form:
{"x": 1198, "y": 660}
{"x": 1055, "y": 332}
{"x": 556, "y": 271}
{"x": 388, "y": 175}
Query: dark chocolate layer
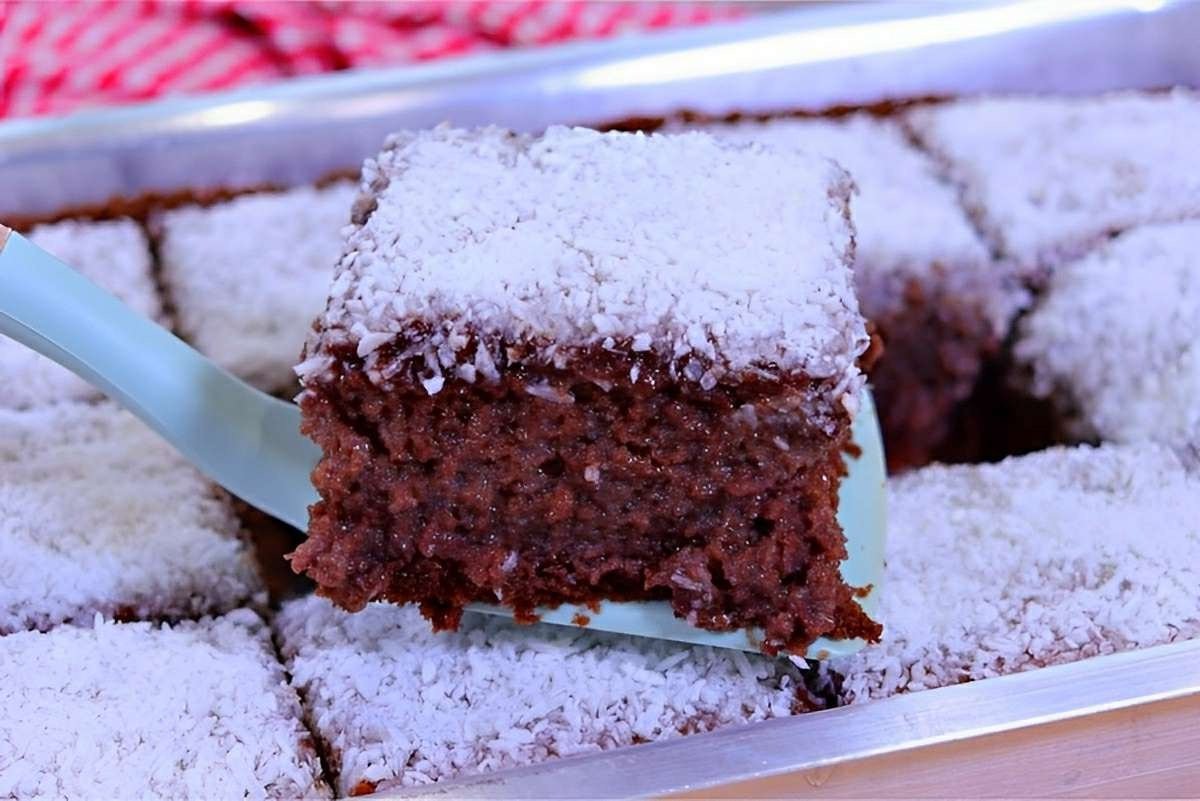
{"x": 594, "y": 487}
{"x": 933, "y": 353}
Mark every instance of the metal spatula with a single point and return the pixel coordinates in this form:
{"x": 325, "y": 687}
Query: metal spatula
{"x": 250, "y": 443}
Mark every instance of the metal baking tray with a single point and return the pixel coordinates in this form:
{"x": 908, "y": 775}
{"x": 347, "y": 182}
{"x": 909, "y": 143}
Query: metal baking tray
{"x": 1111, "y": 725}
{"x": 807, "y": 58}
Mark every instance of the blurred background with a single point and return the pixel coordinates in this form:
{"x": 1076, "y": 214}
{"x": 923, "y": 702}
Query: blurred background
{"x": 62, "y": 56}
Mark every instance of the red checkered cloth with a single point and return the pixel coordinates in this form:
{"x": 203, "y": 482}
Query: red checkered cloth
{"x": 59, "y": 56}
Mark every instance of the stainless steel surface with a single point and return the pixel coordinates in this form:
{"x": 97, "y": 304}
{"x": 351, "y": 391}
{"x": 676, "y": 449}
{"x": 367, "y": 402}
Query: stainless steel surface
{"x": 809, "y": 58}
{"x": 825, "y": 739}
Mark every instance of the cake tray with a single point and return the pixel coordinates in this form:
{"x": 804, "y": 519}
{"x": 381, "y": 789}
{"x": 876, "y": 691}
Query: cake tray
{"x": 1109, "y": 726}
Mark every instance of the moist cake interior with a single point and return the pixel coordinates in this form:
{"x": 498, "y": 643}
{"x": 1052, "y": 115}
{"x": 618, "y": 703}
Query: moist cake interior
{"x": 552, "y": 486}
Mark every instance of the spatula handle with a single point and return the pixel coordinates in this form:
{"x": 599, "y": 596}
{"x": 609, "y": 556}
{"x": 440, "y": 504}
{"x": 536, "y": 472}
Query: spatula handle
{"x": 243, "y": 439}
{"x": 47, "y": 306}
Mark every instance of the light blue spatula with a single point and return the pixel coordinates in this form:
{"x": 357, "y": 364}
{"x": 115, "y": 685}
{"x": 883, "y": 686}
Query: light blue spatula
{"x": 250, "y": 443}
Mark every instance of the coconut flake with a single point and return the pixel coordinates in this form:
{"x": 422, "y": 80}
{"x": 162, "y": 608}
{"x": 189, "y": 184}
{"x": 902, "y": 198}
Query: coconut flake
{"x": 549, "y": 392}
{"x": 1038, "y": 560}
{"x": 546, "y": 257}
{"x": 533, "y": 693}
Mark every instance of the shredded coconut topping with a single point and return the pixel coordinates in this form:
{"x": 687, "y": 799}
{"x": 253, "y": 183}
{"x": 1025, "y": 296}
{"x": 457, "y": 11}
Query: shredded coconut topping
{"x": 1043, "y": 559}
{"x": 201, "y": 710}
{"x": 908, "y": 221}
{"x": 1047, "y": 178}
{"x": 723, "y": 256}
{"x": 97, "y": 514}
{"x": 397, "y": 704}
{"x": 1118, "y": 335}
{"x": 248, "y": 277}
{"x": 115, "y": 256}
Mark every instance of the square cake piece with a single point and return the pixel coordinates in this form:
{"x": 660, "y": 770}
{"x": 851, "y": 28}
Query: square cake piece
{"x": 97, "y": 514}
{"x": 114, "y": 255}
{"x": 1048, "y": 178}
{"x": 1039, "y": 560}
{"x": 246, "y": 277}
{"x": 924, "y": 277}
{"x": 1114, "y": 341}
{"x": 395, "y": 704}
{"x": 135, "y": 710}
{"x": 589, "y": 366}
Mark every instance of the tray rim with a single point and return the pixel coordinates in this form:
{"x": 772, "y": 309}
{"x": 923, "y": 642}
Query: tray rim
{"x": 816, "y": 740}
{"x": 840, "y": 55}
{"x": 31, "y": 131}
{"x": 256, "y": 104}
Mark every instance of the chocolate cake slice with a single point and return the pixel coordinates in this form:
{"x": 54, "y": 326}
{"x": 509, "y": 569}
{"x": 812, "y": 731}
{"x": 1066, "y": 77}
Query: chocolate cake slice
{"x": 99, "y": 516}
{"x": 588, "y": 366}
{"x": 925, "y": 278}
{"x": 1112, "y": 341}
{"x": 1047, "y": 179}
{"x": 535, "y": 693}
{"x": 197, "y": 709}
{"x": 1043, "y": 559}
{"x": 247, "y": 276}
